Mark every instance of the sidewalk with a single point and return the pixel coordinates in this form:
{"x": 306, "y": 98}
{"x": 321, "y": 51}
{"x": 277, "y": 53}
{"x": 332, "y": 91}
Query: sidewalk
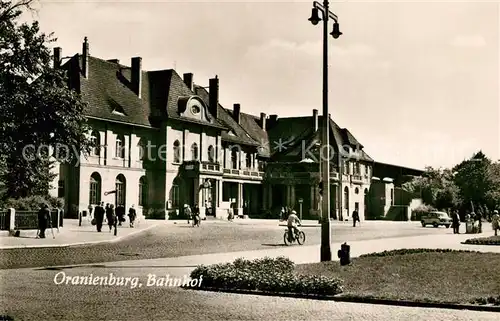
{"x": 72, "y": 234}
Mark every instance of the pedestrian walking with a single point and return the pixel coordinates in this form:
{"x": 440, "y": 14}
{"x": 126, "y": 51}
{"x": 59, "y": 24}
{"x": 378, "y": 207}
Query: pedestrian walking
{"x": 120, "y": 214}
{"x": 111, "y": 217}
{"x": 455, "y": 222}
{"x": 91, "y": 210}
{"x": 495, "y": 222}
{"x": 99, "y": 216}
{"x": 132, "y": 215}
{"x": 355, "y": 218}
{"x": 43, "y": 220}
{"x": 187, "y": 212}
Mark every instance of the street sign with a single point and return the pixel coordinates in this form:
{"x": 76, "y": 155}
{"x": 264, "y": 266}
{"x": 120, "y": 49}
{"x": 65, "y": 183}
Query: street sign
{"x": 300, "y": 200}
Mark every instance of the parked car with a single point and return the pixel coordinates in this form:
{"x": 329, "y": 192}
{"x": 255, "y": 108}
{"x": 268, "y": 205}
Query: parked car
{"x": 436, "y": 219}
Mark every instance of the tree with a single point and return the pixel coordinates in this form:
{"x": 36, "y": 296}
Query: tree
{"x": 474, "y": 178}
{"x": 436, "y": 188}
{"x": 37, "y": 108}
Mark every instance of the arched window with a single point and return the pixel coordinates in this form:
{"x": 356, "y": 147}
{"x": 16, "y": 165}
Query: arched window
{"x": 346, "y": 199}
{"x": 143, "y": 191}
{"x": 120, "y": 146}
{"x": 211, "y": 154}
{"x": 248, "y": 160}
{"x": 366, "y": 191}
{"x": 234, "y": 159}
{"x": 95, "y": 138}
{"x": 356, "y": 190}
{"x": 120, "y": 186}
{"x": 194, "y": 151}
{"x": 177, "y": 152}
{"x": 142, "y": 148}
{"x": 95, "y": 189}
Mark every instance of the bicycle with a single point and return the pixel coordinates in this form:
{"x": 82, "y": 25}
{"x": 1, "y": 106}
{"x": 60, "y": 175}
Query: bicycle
{"x": 300, "y": 237}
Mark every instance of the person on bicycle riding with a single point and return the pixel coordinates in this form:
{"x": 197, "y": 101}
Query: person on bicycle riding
{"x": 293, "y": 222}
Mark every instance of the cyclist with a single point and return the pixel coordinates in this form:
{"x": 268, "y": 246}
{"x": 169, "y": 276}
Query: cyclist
{"x": 293, "y": 222}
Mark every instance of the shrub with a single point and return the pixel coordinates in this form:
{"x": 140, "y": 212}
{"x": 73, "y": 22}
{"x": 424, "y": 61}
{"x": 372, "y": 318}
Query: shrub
{"x": 412, "y": 251}
{"x": 33, "y": 203}
{"x": 484, "y": 241}
{"x": 267, "y": 274}
{"x": 489, "y": 300}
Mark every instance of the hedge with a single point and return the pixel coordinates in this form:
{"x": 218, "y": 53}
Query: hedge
{"x": 267, "y": 275}
{"x": 413, "y": 251}
{"x": 32, "y": 203}
{"x": 489, "y": 300}
{"x": 484, "y": 241}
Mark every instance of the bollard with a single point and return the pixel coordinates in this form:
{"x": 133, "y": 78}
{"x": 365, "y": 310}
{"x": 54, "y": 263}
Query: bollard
{"x": 344, "y": 254}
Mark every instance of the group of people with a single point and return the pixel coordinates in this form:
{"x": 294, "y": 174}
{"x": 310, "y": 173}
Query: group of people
{"x": 114, "y": 217}
{"x": 477, "y": 219}
{"x": 192, "y": 214}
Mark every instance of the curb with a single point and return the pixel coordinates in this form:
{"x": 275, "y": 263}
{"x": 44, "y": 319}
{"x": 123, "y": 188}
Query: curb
{"x": 358, "y": 299}
{"x": 116, "y": 239}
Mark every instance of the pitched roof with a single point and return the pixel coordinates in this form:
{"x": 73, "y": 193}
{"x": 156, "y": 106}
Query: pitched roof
{"x": 293, "y": 131}
{"x": 252, "y": 126}
{"x": 225, "y": 118}
{"x": 107, "y": 90}
{"x": 109, "y": 95}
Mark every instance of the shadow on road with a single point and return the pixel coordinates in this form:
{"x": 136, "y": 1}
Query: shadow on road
{"x": 276, "y": 245}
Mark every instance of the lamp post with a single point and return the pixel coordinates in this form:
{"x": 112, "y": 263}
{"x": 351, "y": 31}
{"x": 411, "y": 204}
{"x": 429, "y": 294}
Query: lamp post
{"x": 326, "y": 252}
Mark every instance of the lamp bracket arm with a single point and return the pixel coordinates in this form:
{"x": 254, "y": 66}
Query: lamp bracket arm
{"x": 321, "y": 8}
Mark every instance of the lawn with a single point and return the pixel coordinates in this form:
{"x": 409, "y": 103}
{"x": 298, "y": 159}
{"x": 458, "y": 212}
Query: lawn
{"x": 450, "y": 277}
{"x": 492, "y": 240}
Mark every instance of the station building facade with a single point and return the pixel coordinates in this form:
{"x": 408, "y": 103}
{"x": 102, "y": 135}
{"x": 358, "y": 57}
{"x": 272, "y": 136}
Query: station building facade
{"x": 166, "y": 141}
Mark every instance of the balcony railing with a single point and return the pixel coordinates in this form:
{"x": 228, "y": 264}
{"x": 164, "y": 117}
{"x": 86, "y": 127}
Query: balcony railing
{"x": 243, "y": 173}
{"x": 356, "y": 179}
{"x": 201, "y": 166}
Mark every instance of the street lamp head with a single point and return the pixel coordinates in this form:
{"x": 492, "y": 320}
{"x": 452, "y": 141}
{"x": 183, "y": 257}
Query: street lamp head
{"x": 315, "y": 19}
{"x": 336, "y": 32}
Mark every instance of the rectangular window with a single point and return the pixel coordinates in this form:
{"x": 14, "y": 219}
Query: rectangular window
{"x": 60, "y": 188}
{"x": 175, "y": 196}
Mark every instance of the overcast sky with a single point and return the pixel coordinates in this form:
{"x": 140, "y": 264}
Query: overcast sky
{"x": 415, "y": 82}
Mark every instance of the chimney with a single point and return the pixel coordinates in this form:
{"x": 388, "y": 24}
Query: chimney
{"x": 57, "y": 57}
{"x": 188, "y": 80}
{"x": 136, "y": 77}
{"x": 236, "y": 113}
{"x": 115, "y": 61}
{"x": 85, "y": 58}
{"x": 315, "y": 119}
{"x": 213, "y": 99}
{"x": 273, "y": 119}
{"x": 263, "y": 121}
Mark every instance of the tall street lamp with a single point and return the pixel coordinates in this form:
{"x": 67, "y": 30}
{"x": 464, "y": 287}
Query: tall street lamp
{"x": 326, "y": 252}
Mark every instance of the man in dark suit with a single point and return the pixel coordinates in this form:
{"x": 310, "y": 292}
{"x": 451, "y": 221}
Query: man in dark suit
{"x": 99, "y": 216}
{"x": 43, "y": 220}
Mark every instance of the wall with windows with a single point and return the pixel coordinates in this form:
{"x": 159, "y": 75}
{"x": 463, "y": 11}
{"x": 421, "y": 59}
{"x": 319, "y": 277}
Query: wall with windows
{"x": 94, "y": 182}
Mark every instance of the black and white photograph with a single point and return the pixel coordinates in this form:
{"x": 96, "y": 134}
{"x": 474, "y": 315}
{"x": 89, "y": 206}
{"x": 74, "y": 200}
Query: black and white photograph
{"x": 249, "y": 160}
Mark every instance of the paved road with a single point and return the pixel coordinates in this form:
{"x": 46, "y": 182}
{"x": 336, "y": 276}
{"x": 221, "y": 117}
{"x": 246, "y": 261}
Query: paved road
{"x": 32, "y": 295}
{"x": 25, "y": 292}
{"x": 213, "y": 237}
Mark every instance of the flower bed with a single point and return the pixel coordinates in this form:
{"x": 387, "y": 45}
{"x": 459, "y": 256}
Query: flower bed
{"x": 413, "y": 251}
{"x": 267, "y": 275}
{"x": 492, "y": 240}
{"x": 487, "y": 301}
